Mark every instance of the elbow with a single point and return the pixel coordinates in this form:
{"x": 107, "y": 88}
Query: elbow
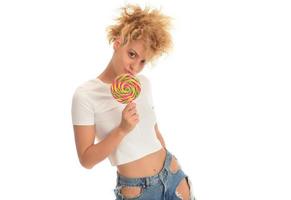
{"x": 85, "y": 164}
{"x": 87, "y": 160}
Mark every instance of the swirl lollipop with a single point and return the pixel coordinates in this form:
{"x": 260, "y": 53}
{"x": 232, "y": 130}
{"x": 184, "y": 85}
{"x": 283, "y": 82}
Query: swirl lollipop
{"x": 125, "y": 88}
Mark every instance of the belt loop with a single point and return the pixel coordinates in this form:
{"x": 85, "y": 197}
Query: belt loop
{"x": 117, "y": 178}
{"x": 147, "y": 182}
{"x": 144, "y": 182}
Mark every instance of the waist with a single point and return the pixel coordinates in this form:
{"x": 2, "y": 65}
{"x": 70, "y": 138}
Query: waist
{"x": 149, "y": 165}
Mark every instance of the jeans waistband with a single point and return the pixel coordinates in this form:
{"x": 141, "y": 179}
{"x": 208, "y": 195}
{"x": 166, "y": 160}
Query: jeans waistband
{"x": 148, "y": 180}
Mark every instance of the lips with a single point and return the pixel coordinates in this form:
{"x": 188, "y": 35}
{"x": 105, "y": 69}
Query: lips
{"x": 128, "y": 72}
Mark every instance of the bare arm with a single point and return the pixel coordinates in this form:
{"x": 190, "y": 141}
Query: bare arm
{"x": 159, "y": 136}
{"x": 89, "y": 153}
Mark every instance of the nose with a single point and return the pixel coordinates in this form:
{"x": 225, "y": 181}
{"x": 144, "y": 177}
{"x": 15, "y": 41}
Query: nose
{"x": 131, "y": 69}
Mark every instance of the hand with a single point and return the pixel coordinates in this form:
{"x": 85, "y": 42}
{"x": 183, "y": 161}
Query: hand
{"x": 129, "y": 118}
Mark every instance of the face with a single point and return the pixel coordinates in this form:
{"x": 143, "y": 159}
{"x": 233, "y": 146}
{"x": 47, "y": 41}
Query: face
{"x": 129, "y": 58}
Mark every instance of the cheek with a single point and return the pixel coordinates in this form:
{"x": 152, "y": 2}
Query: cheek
{"x": 141, "y": 68}
{"x": 120, "y": 60}
{"x": 126, "y": 62}
{"x": 122, "y": 63}
{"x": 123, "y": 58}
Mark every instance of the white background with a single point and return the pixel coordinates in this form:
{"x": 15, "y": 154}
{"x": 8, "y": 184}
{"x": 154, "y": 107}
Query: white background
{"x": 222, "y": 97}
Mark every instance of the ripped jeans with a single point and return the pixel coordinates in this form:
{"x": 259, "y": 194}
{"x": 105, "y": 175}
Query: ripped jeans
{"x": 158, "y": 187}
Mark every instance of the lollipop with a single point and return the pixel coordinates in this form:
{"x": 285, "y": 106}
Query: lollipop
{"x": 125, "y": 88}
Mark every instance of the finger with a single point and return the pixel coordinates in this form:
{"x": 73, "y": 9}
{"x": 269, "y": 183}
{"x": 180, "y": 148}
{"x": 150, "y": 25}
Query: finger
{"x": 132, "y": 112}
{"x": 131, "y": 106}
{"x": 134, "y": 118}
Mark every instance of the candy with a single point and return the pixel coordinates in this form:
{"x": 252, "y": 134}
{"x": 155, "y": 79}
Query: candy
{"x": 125, "y": 88}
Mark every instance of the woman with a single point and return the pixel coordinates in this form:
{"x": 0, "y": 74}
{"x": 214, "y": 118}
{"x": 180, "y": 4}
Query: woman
{"x": 128, "y": 134}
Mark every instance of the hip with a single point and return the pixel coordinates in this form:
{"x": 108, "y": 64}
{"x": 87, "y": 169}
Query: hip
{"x": 157, "y": 187}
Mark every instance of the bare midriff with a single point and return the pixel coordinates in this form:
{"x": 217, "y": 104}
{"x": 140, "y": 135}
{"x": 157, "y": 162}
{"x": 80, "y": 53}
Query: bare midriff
{"x": 148, "y": 165}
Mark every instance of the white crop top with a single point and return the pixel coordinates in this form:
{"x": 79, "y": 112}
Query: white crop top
{"x": 93, "y": 103}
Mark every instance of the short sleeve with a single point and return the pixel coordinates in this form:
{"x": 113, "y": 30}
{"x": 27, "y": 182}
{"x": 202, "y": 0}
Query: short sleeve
{"x": 81, "y": 110}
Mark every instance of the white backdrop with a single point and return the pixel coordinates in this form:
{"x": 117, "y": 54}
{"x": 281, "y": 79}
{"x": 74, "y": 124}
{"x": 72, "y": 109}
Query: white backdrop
{"x": 222, "y": 97}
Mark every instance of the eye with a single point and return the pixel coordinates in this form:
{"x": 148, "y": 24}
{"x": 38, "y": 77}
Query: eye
{"x": 131, "y": 54}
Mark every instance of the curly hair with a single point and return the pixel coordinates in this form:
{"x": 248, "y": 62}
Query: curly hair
{"x": 149, "y": 25}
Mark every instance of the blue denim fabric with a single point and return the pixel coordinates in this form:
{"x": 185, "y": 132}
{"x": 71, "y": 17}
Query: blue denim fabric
{"x": 158, "y": 187}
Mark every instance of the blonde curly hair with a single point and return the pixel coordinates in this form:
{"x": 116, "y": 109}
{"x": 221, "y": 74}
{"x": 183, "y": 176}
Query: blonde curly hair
{"x": 150, "y": 25}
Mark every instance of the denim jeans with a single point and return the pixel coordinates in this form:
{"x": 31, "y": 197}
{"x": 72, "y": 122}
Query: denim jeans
{"x": 158, "y": 187}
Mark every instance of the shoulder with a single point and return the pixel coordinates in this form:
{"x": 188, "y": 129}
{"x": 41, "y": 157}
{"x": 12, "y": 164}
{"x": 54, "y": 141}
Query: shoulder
{"x": 88, "y": 85}
{"x": 145, "y": 83}
{"x": 81, "y": 91}
{"x": 80, "y": 96}
{"x": 89, "y": 88}
{"x": 84, "y": 90}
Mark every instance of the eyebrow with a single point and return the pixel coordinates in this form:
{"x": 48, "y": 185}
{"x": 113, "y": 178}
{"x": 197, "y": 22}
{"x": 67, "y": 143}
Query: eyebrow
{"x": 137, "y": 54}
